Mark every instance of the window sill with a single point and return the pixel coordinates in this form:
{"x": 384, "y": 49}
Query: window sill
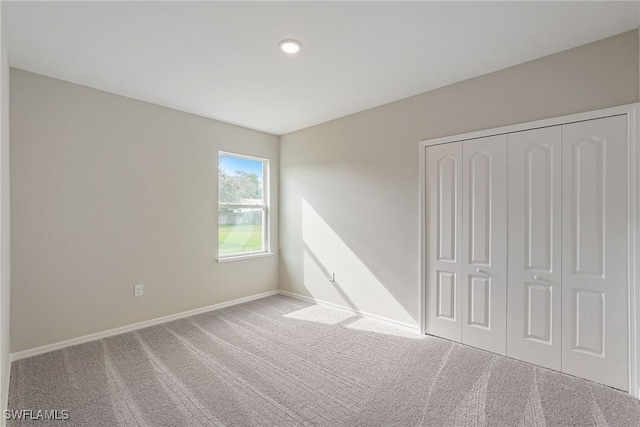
{"x": 243, "y": 257}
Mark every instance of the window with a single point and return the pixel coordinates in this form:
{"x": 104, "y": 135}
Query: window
{"x": 243, "y": 220}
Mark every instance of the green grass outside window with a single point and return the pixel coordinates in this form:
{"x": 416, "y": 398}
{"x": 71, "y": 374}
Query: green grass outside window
{"x": 239, "y": 239}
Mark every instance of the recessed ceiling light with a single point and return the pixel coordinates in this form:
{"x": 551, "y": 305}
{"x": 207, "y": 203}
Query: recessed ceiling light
{"x": 290, "y": 46}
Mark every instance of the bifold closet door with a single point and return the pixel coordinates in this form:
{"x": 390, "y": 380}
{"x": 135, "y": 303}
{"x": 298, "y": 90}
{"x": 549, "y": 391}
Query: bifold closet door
{"x": 594, "y": 264}
{"x": 534, "y": 260}
{"x": 444, "y": 249}
{"x": 484, "y": 242}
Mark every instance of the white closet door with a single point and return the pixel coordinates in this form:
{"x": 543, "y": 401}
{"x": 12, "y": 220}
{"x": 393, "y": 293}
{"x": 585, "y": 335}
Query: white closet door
{"x": 534, "y": 260}
{"x": 484, "y": 231}
{"x": 594, "y": 264}
{"x": 444, "y": 248}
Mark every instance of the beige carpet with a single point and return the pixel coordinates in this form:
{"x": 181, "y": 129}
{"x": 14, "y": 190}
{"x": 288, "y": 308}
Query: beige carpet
{"x": 282, "y": 362}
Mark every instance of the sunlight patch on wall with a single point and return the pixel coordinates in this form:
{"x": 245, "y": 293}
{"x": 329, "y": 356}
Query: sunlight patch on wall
{"x": 355, "y": 286}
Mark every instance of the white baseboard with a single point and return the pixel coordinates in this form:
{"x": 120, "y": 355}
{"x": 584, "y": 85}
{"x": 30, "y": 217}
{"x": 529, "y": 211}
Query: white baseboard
{"x": 406, "y": 326}
{"x": 123, "y": 329}
{"x": 145, "y": 324}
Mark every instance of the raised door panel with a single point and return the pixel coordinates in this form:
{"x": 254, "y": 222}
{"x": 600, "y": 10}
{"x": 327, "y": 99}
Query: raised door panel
{"x": 484, "y": 231}
{"x": 594, "y": 272}
{"x": 444, "y": 239}
{"x": 534, "y": 260}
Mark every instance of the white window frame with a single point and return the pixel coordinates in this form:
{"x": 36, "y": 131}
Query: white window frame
{"x": 266, "y": 224}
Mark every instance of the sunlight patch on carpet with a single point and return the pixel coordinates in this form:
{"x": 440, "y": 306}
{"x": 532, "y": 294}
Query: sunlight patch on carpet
{"x": 320, "y": 314}
{"x": 371, "y": 325}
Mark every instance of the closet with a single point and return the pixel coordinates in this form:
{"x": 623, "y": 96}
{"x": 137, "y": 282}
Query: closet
{"x": 526, "y": 240}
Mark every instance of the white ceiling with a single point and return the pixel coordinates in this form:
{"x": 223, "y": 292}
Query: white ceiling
{"x": 221, "y": 59}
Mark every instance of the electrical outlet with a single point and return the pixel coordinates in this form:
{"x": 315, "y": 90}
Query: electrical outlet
{"x": 138, "y": 290}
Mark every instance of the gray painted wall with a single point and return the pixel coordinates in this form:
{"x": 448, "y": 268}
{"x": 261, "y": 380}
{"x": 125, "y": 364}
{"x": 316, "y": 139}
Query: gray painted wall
{"x": 5, "y": 240}
{"x": 108, "y": 192}
{"x": 349, "y": 187}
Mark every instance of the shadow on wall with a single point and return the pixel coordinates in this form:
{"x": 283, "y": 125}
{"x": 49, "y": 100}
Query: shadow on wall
{"x": 355, "y": 285}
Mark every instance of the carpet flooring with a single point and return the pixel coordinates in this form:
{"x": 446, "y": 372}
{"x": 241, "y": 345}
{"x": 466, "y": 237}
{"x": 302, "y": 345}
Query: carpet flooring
{"x": 279, "y": 361}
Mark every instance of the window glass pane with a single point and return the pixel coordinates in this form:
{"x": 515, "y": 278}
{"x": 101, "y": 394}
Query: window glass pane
{"x": 241, "y": 205}
{"x": 240, "y": 180}
{"x": 239, "y": 231}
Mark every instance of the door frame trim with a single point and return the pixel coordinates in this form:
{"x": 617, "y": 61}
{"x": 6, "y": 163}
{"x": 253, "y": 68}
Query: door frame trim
{"x": 633, "y": 215}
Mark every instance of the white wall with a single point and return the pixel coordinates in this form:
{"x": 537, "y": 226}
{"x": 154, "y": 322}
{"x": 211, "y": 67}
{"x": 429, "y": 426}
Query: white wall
{"x": 5, "y": 247}
{"x": 349, "y": 187}
{"x": 108, "y": 192}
